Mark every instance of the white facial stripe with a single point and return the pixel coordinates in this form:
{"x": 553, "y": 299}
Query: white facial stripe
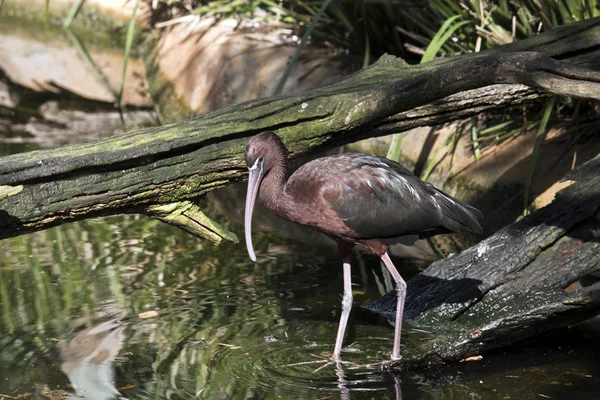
{"x": 255, "y": 166}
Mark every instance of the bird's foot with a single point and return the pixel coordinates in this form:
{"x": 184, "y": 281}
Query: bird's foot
{"x": 393, "y": 363}
{"x": 326, "y": 362}
{"x": 335, "y": 359}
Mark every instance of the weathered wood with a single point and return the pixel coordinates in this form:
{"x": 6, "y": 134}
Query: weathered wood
{"x": 168, "y": 164}
{"x": 511, "y": 285}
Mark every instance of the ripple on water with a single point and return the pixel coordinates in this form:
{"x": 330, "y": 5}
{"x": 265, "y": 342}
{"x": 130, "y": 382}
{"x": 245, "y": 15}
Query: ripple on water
{"x": 289, "y": 367}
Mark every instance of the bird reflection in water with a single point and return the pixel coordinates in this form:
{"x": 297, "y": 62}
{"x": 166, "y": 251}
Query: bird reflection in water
{"x": 343, "y": 382}
{"x": 88, "y": 357}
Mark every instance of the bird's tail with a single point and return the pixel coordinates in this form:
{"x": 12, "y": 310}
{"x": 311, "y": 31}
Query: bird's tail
{"x": 458, "y": 216}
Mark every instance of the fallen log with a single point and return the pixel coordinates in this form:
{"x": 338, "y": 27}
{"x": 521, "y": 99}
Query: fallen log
{"x": 156, "y": 171}
{"x": 511, "y": 285}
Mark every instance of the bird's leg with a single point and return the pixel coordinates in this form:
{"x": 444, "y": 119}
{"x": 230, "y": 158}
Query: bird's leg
{"x": 400, "y": 294}
{"x": 346, "y": 251}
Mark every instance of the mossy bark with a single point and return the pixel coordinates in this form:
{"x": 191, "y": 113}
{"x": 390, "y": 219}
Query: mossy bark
{"x": 177, "y": 162}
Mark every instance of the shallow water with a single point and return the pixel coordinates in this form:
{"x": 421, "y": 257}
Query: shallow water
{"x": 129, "y": 306}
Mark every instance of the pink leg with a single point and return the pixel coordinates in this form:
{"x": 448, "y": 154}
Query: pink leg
{"x": 400, "y": 294}
{"x": 346, "y": 304}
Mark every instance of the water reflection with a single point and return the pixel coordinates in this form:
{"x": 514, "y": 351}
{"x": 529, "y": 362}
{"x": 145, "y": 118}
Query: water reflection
{"x": 88, "y": 357}
{"x": 131, "y": 307}
{"x": 128, "y": 306}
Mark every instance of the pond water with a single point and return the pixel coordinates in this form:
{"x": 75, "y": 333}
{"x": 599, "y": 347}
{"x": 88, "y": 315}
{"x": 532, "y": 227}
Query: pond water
{"x": 128, "y": 306}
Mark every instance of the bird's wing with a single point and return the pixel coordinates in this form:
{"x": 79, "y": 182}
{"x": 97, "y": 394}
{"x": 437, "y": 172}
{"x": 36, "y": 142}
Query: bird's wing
{"x": 378, "y": 198}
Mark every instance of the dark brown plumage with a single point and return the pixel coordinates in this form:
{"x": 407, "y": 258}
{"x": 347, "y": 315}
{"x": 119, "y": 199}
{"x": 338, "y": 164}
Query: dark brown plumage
{"x": 354, "y": 199}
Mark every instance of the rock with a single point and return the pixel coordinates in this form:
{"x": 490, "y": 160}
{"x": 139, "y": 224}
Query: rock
{"x": 50, "y": 94}
{"x": 55, "y": 66}
{"x": 210, "y": 64}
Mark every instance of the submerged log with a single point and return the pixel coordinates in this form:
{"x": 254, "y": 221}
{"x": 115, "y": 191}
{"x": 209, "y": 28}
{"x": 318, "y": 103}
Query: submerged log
{"x": 510, "y": 286}
{"x": 155, "y": 171}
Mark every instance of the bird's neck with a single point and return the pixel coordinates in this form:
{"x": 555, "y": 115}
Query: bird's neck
{"x": 272, "y": 194}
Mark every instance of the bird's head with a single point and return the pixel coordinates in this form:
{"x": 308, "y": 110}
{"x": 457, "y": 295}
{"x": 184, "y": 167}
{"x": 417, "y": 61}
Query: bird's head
{"x": 262, "y": 153}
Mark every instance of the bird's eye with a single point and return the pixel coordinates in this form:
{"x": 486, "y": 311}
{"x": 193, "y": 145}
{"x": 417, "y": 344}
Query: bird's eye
{"x": 260, "y": 163}
{"x": 257, "y": 164}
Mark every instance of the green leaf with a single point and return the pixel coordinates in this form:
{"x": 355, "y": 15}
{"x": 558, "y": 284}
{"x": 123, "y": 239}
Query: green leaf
{"x": 475, "y": 138}
{"x": 494, "y": 129}
{"x": 72, "y": 13}
{"x": 443, "y": 34}
{"x": 395, "y": 148}
{"x": 303, "y": 41}
{"x": 367, "y": 56}
{"x": 128, "y": 43}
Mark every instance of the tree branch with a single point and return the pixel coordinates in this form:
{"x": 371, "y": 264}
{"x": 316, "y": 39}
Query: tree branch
{"x": 181, "y": 161}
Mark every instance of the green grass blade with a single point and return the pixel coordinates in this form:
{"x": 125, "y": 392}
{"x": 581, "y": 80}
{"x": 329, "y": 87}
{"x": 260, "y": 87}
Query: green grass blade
{"x": 441, "y": 37}
{"x": 475, "y": 138}
{"x": 444, "y": 28}
{"x": 88, "y": 60}
{"x": 525, "y": 22}
{"x": 367, "y": 56}
{"x": 577, "y": 9}
{"x": 308, "y": 8}
{"x": 446, "y": 9}
{"x": 494, "y": 129}
{"x": 337, "y": 13}
{"x": 47, "y": 11}
{"x": 303, "y": 41}
{"x": 72, "y": 13}
{"x": 285, "y": 12}
{"x": 588, "y": 7}
{"x": 395, "y": 148}
{"x": 539, "y": 138}
{"x": 593, "y": 8}
{"x": 128, "y": 43}
{"x": 564, "y": 12}
{"x": 433, "y": 162}
{"x": 515, "y": 132}
{"x": 454, "y": 142}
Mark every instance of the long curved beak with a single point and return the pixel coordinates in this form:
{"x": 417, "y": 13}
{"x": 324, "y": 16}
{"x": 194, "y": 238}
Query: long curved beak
{"x": 254, "y": 179}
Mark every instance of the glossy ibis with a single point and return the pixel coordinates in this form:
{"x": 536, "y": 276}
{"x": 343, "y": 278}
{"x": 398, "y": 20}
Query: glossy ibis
{"x": 354, "y": 199}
